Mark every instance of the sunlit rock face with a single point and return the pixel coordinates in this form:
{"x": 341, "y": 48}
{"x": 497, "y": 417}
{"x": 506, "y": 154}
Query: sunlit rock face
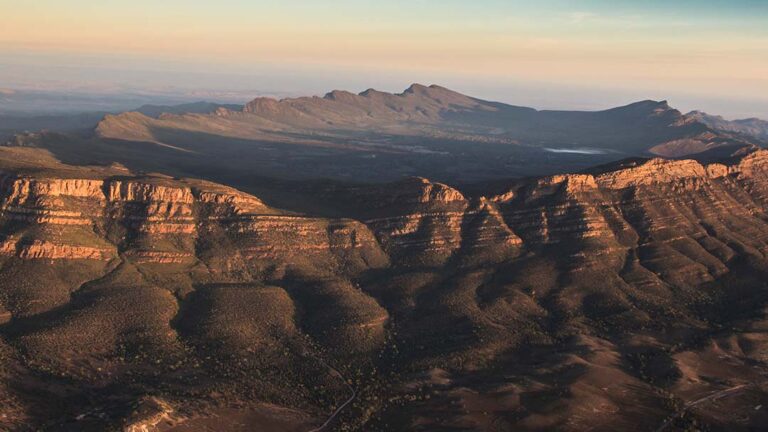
{"x": 623, "y": 285}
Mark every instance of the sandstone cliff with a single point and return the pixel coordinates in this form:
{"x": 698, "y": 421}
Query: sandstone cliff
{"x": 180, "y": 296}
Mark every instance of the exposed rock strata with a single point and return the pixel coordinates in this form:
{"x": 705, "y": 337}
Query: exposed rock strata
{"x": 611, "y": 285}
{"x": 149, "y": 211}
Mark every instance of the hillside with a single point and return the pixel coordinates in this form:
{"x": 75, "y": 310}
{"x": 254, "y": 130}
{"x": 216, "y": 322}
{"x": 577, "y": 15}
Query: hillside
{"x": 753, "y": 127}
{"x": 375, "y": 136}
{"x": 613, "y": 298}
{"x": 437, "y": 112}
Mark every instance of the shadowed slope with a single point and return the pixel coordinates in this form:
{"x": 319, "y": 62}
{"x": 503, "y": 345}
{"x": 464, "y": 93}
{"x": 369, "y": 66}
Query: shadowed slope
{"x": 425, "y": 131}
{"x": 604, "y": 299}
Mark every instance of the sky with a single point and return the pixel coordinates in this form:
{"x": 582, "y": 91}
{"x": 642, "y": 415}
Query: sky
{"x": 591, "y": 54}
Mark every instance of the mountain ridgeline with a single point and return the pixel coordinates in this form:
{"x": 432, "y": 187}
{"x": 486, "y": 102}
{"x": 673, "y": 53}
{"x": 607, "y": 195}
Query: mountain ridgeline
{"x": 376, "y": 136}
{"x": 434, "y": 111}
{"x": 751, "y": 127}
{"x": 609, "y": 299}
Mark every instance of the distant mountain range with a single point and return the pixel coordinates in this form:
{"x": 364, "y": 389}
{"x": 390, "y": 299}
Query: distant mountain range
{"x": 436, "y": 112}
{"x": 11, "y": 123}
{"x": 753, "y": 127}
{"x": 376, "y": 136}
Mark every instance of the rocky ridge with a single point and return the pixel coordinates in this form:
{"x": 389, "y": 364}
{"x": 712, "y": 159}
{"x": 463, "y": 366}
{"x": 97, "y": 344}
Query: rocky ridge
{"x": 195, "y": 294}
{"x": 416, "y": 214}
{"x": 144, "y": 209}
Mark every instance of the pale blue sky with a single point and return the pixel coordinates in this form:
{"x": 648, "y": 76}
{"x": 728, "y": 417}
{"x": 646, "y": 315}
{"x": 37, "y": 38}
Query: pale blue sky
{"x": 549, "y": 53}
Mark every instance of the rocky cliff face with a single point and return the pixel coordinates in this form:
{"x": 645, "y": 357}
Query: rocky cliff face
{"x": 415, "y": 222}
{"x": 158, "y": 221}
{"x": 615, "y": 284}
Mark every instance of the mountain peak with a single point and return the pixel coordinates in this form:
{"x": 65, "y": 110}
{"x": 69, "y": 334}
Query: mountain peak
{"x": 261, "y": 104}
{"x": 650, "y": 103}
{"x": 416, "y": 88}
{"x": 647, "y": 107}
{"x": 339, "y": 95}
{"x": 368, "y": 92}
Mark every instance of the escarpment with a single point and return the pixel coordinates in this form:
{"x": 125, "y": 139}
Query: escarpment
{"x": 656, "y": 171}
{"x": 414, "y": 221}
{"x": 651, "y": 226}
{"x": 158, "y": 220}
{"x": 612, "y": 284}
{"x": 419, "y": 222}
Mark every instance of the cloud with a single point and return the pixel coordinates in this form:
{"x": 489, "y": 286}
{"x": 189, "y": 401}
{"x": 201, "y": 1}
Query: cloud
{"x": 623, "y": 21}
{"x": 581, "y": 17}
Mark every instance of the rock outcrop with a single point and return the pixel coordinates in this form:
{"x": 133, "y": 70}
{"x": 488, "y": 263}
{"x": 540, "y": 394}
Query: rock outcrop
{"x": 148, "y": 415}
{"x": 615, "y": 285}
{"x": 156, "y": 220}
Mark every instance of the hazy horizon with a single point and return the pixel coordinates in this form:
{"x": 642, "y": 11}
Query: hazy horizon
{"x": 706, "y": 55}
